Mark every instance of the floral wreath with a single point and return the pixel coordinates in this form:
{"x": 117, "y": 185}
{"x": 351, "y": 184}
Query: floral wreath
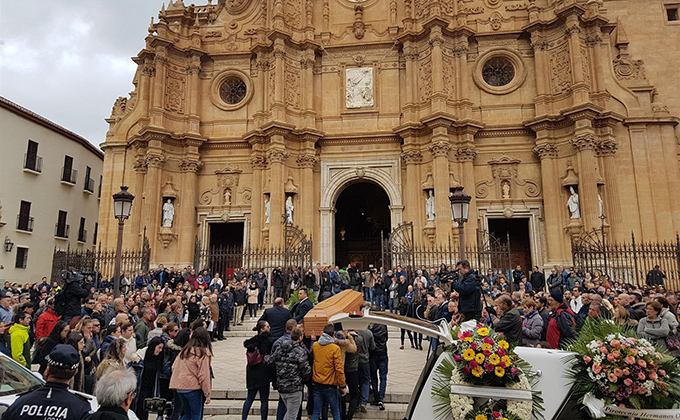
{"x": 483, "y": 357}
{"x": 612, "y": 367}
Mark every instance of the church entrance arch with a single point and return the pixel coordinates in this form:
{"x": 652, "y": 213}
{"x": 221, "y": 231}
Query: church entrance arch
{"x": 362, "y": 222}
{"x": 336, "y": 176}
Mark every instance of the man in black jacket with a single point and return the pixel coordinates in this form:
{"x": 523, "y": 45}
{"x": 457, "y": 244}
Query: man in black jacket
{"x": 470, "y": 294}
{"x": 68, "y": 302}
{"x": 510, "y": 322}
{"x": 554, "y": 281}
{"x": 537, "y": 280}
{"x": 303, "y": 306}
{"x": 379, "y": 362}
{"x": 517, "y": 275}
{"x": 276, "y": 316}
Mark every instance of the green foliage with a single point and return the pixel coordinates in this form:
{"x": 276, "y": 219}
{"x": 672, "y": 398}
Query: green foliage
{"x": 441, "y": 388}
{"x": 294, "y": 298}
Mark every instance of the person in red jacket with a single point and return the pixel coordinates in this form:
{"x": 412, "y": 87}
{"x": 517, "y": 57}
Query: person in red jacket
{"x": 562, "y": 324}
{"x": 46, "y": 321}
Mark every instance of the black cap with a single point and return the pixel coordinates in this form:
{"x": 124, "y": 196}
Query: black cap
{"x": 5, "y": 294}
{"x": 64, "y": 357}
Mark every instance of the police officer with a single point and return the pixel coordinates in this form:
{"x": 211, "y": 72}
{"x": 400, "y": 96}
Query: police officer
{"x": 53, "y": 400}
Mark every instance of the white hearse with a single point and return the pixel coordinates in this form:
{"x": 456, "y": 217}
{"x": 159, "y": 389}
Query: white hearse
{"x": 549, "y": 365}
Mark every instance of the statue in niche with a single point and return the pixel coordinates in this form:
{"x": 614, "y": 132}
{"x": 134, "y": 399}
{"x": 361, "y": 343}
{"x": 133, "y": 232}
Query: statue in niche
{"x": 289, "y": 209}
{"x": 168, "y": 214}
{"x": 267, "y": 210}
{"x": 573, "y": 204}
{"x": 451, "y": 207}
{"x": 227, "y": 197}
{"x": 506, "y": 191}
{"x": 599, "y": 200}
{"x": 429, "y": 205}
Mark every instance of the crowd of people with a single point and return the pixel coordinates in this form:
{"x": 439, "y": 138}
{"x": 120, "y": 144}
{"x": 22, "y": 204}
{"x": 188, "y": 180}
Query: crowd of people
{"x": 158, "y": 333}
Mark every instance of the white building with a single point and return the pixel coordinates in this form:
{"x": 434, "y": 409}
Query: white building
{"x": 49, "y": 192}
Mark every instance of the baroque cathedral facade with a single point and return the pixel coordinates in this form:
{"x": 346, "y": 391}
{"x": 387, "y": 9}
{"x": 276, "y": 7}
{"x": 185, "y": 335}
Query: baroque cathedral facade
{"x": 351, "y": 117}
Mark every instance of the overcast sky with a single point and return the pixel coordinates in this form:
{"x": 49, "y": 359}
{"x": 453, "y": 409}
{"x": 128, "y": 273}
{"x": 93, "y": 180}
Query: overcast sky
{"x": 68, "y": 60}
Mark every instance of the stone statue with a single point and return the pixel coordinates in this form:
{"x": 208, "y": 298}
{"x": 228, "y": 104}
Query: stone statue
{"x": 227, "y": 197}
{"x": 289, "y": 209}
{"x": 429, "y": 206}
{"x": 359, "y": 87}
{"x": 267, "y": 210}
{"x": 506, "y": 191}
{"x": 573, "y": 204}
{"x": 168, "y": 214}
{"x": 599, "y": 200}
{"x": 451, "y": 207}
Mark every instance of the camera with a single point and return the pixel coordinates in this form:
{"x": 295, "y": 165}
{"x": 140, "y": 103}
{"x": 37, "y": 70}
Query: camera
{"x": 160, "y": 406}
{"x": 72, "y": 276}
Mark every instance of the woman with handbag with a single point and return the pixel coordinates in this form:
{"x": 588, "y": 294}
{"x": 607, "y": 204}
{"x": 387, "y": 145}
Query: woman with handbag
{"x": 191, "y": 374}
{"x": 148, "y": 380}
{"x": 258, "y": 375}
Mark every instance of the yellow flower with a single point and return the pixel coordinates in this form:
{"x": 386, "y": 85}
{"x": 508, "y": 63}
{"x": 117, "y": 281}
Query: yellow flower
{"x": 503, "y": 344}
{"x": 480, "y": 417}
{"x": 499, "y": 371}
{"x": 478, "y": 371}
{"x": 468, "y": 354}
{"x": 480, "y": 358}
{"x": 483, "y": 331}
{"x": 486, "y": 347}
{"x": 503, "y": 418}
{"x": 506, "y": 360}
{"x": 468, "y": 339}
{"x": 494, "y": 359}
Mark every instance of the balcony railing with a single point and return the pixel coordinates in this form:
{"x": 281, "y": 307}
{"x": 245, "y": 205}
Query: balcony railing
{"x": 25, "y": 223}
{"x": 33, "y": 162}
{"x": 89, "y": 185}
{"x": 82, "y": 235}
{"x": 69, "y": 175}
{"x": 61, "y": 231}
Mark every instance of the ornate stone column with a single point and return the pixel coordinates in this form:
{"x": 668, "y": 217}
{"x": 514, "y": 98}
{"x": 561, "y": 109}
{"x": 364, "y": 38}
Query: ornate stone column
{"x": 185, "y": 224}
{"x": 585, "y": 144}
{"x": 580, "y": 88}
{"x": 152, "y": 200}
{"x": 278, "y": 106}
{"x": 147, "y": 74}
{"x": 135, "y": 241}
{"x": 412, "y": 158}
{"x": 410, "y": 55}
{"x": 307, "y": 104}
{"x": 160, "y": 60}
{"x": 540, "y": 45}
{"x": 440, "y": 154}
{"x": 307, "y": 215}
{"x": 552, "y": 211}
{"x": 612, "y": 200}
{"x": 277, "y": 158}
{"x": 438, "y": 94}
{"x": 466, "y": 156}
{"x": 192, "y": 69}
{"x": 257, "y": 218}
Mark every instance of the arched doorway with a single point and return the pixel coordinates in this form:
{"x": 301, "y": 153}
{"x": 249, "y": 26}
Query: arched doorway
{"x": 362, "y": 220}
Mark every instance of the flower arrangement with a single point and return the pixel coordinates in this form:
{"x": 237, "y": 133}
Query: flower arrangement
{"x": 484, "y": 358}
{"x": 613, "y": 365}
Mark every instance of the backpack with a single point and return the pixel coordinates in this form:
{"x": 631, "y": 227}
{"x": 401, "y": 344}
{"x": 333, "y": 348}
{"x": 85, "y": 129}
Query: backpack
{"x": 254, "y": 357}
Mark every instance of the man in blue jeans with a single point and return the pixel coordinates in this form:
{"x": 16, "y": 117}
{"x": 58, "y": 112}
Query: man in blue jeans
{"x": 364, "y": 348}
{"x": 379, "y": 363}
{"x": 328, "y": 374}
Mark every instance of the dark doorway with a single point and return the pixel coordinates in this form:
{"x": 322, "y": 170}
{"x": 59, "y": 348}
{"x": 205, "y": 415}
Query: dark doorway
{"x": 362, "y": 219}
{"x": 226, "y": 248}
{"x": 520, "y": 245}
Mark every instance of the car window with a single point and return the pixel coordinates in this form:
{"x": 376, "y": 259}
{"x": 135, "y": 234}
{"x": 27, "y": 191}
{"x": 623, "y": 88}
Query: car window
{"x": 14, "y": 379}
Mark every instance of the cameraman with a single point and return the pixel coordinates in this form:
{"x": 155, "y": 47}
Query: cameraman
{"x": 68, "y": 302}
{"x": 468, "y": 289}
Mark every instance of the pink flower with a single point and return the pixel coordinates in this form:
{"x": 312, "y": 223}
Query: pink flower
{"x": 633, "y": 352}
{"x": 642, "y": 363}
{"x": 612, "y": 377}
{"x": 616, "y": 354}
{"x": 653, "y": 376}
{"x": 641, "y": 376}
{"x": 662, "y": 372}
{"x": 466, "y": 370}
{"x": 611, "y": 357}
{"x": 513, "y": 371}
{"x": 630, "y": 360}
{"x": 618, "y": 372}
{"x": 473, "y": 364}
{"x": 496, "y": 415}
{"x": 487, "y": 353}
{"x": 501, "y": 352}
{"x": 615, "y": 343}
{"x": 473, "y": 346}
{"x": 597, "y": 369}
{"x": 604, "y": 350}
{"x": 628, "y": 382}
{"x": 457, "y": 357}
{"x": 488, "y": 367}
{"x": 626, "y": 372}
{"x": 587, "y": 359}
{"x": 488, "y": 340}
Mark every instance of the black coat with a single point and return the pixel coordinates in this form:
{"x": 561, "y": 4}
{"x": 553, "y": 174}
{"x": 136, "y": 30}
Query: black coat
{"x": 380, "y": 337}
{"x": 277, "y": 317}
{"x": 301, "y": 308}
{"x": 510, "y": 324}
{"x": 538, "y": 281}
{"x": 260, "y": 375}
{"x": 72, "y": 296}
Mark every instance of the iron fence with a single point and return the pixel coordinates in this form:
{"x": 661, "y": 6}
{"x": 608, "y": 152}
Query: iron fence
{"x": 99, "y": 263}
{"x": 627, "y": 262}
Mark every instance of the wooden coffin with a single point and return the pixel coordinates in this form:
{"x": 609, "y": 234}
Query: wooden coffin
{"x": 317, "y": 318}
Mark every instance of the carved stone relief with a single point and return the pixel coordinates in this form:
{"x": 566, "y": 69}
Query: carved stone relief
{"x": 359, "y": 87}
{"x": 449, "y": 78}
{"x": 626, "y": 69}
{"x": 174, "y": 91}
{"x": 292, "y": 12}
{"x": 425, "y": 76}
{"x": 272, "y": 86}
{"x": 505, "y": 177}
{"x": 292, "y": 76}
{"x": 585, "y": 62}
{"x": 119, "y": 108}
{"x": 560, "y": 69}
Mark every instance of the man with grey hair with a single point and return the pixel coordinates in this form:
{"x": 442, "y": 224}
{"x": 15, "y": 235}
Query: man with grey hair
{"x": 115, "y": 392}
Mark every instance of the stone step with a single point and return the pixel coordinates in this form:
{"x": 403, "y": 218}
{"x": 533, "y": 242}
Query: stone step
{"x": 393, "y": 411}
{"x": 237, "y": 394}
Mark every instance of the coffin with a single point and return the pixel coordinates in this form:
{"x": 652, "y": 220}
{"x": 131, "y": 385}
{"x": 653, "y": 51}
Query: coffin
{"x": 318, "y": 317}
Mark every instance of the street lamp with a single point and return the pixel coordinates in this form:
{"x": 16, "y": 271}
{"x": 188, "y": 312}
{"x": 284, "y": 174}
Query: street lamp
{"x": 460, "y": 208}
{"x": 122, "y": 204}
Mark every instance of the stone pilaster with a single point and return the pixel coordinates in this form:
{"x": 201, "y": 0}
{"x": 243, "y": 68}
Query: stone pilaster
{"x": 185, "y": 222}
{"x": 587, "y": 179}
{"x": 612, "y": 200}
{"x": 160, "y": 62}
{"x": 193, "y": 69}
{"x": 151, "y": 207}
{"x": 277, "y": 158}
{"x": 412, "y": 158}
{"x": 306, "y": 214}
{"x": 141, "y": 168}
{"x": 552, "y": 205}
{"x": 440, "y": 154}
{"x": 257, "y": 217}
{"x": 466, "y": 156}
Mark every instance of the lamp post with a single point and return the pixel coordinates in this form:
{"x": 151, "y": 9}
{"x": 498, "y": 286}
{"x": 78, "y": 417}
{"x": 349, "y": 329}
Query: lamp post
{"x": 460, "y": 208}
{"x": 122, "y": 204}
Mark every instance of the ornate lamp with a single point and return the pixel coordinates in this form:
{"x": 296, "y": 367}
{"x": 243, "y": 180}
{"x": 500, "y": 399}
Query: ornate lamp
{"x": 460, "y": 208}
{"x": 122, "y": 204}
